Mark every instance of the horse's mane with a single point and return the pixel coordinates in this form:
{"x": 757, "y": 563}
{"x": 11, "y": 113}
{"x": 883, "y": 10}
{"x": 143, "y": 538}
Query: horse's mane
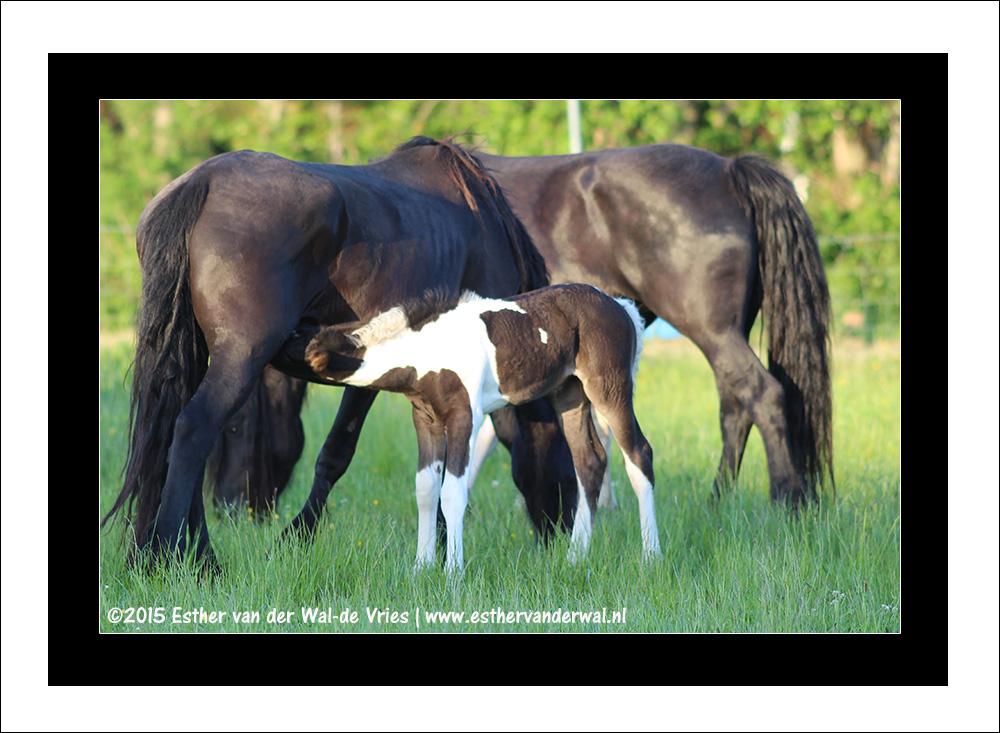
{"x": 478, "y": 187}
{"x": 412, "y": 314}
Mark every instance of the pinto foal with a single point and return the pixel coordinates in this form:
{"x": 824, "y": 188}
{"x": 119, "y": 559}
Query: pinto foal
{"x": 458, "y": 361}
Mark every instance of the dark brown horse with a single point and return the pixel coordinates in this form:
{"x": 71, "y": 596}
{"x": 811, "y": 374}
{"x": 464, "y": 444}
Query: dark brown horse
{"x": 247, "y": 255}
{"x": 259, "y": 446}
{"x": 706, "y": 243}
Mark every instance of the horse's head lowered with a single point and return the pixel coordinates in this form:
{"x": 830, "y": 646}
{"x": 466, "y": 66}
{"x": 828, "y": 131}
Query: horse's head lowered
{"x": 258, "y": 447}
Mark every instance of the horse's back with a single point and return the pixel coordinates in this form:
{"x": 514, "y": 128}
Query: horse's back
{"x": 656, "y": 223}
{"x": 610, "y": 217}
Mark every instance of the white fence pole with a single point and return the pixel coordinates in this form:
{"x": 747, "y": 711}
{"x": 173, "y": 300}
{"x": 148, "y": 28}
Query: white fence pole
{"x": 573, "y": 116}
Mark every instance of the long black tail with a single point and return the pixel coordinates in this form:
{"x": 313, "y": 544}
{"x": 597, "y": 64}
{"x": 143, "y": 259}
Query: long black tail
{"x": 171, "y": 356}
{"x": 796, "y": 310}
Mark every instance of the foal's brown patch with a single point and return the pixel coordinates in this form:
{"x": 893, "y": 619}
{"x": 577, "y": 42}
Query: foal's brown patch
{"x": 527, "y": 367}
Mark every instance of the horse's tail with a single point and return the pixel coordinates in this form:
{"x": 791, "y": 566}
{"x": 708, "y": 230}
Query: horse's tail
{"x": 796, "y": 309}
{"x": 474, "y": 182}
{"x": 640, "y": 327}
{"x": 171, "y": 356}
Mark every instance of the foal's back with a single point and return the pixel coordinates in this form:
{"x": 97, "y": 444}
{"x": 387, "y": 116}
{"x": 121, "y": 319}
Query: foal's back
{"x": 565, "y": 329}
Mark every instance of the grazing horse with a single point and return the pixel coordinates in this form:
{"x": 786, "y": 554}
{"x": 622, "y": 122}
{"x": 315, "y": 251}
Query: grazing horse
{"x": 247, "y": 255}
{"x": 457, "y": 361}
{"x": 706, "y": 243}
{"x": 259, "y": 446}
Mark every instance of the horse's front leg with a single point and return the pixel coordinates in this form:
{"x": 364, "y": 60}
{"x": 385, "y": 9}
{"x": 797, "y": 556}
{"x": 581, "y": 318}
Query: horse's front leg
{"x": 462, "y": 430}
{"x": 335, "y": 456}
{"x": 198, "y": 526}
{"x": 431, "y": 450}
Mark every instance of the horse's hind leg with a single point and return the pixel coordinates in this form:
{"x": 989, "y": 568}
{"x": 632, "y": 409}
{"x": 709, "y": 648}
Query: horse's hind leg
{"x": 740, "y": 374}
{"x": 607, "y": 498}
{"x": 735, "y": 422}
{"x": 226, "y": 385}
{"x": 589, "y": 458}
{"x": 608, "y": 397}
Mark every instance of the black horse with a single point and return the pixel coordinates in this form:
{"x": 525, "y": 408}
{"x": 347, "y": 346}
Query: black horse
{"x": 706, "y": 243}
{"x": 259, "y": 446}
{"x": 247, "y": 255}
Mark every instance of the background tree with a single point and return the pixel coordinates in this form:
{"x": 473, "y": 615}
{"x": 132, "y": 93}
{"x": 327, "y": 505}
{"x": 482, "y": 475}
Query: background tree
{"x": 842, "y": 155}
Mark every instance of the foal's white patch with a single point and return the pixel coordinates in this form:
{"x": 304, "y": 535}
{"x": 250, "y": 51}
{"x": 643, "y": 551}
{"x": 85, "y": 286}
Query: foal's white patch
{"x": 647, "y": 510}
{"x": 543, "y": 335}
{"x": 582, "y": 526}
{"x": 456, "y": 340}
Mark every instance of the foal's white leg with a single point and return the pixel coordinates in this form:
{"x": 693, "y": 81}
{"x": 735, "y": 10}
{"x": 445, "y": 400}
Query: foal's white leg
{"x": 486, "y": 442}
{"x": 582, "y": 526}
{"x": 647, "y": 510}
{"x": 606, "y": 499}
{"x": 428, "y": 490}
{"x": 627, "y": 431}
{"x": 454, "y": 500}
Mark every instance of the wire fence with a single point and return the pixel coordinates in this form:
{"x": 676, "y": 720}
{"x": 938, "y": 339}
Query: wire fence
{"x": 863, "y": 272}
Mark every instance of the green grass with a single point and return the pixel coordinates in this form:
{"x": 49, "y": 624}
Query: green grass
{"x": 737, "y": 564}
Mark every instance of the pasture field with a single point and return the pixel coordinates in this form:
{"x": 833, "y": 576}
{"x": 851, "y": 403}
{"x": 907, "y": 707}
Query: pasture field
{"x": 738, "y": 564}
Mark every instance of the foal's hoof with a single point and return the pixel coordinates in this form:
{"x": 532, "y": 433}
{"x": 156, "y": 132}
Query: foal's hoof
{"x": 455, "y": 574}
{"x": 421, "y": 564}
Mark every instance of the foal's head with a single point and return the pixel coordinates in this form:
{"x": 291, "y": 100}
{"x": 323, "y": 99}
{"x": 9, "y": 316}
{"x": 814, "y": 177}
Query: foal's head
{"x": 335, "y": 352}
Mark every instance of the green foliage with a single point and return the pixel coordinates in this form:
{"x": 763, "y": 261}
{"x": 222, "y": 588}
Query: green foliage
{"x": 847, "y": 151}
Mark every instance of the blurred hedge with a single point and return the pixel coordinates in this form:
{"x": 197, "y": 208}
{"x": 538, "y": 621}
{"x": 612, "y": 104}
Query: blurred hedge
{"x": 843, "y": 155}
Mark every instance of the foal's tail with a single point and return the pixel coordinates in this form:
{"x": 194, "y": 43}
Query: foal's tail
{"x": 796, "y": 309}
{"x": 640, "y": 327}
{"x": 171, "y": 356}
